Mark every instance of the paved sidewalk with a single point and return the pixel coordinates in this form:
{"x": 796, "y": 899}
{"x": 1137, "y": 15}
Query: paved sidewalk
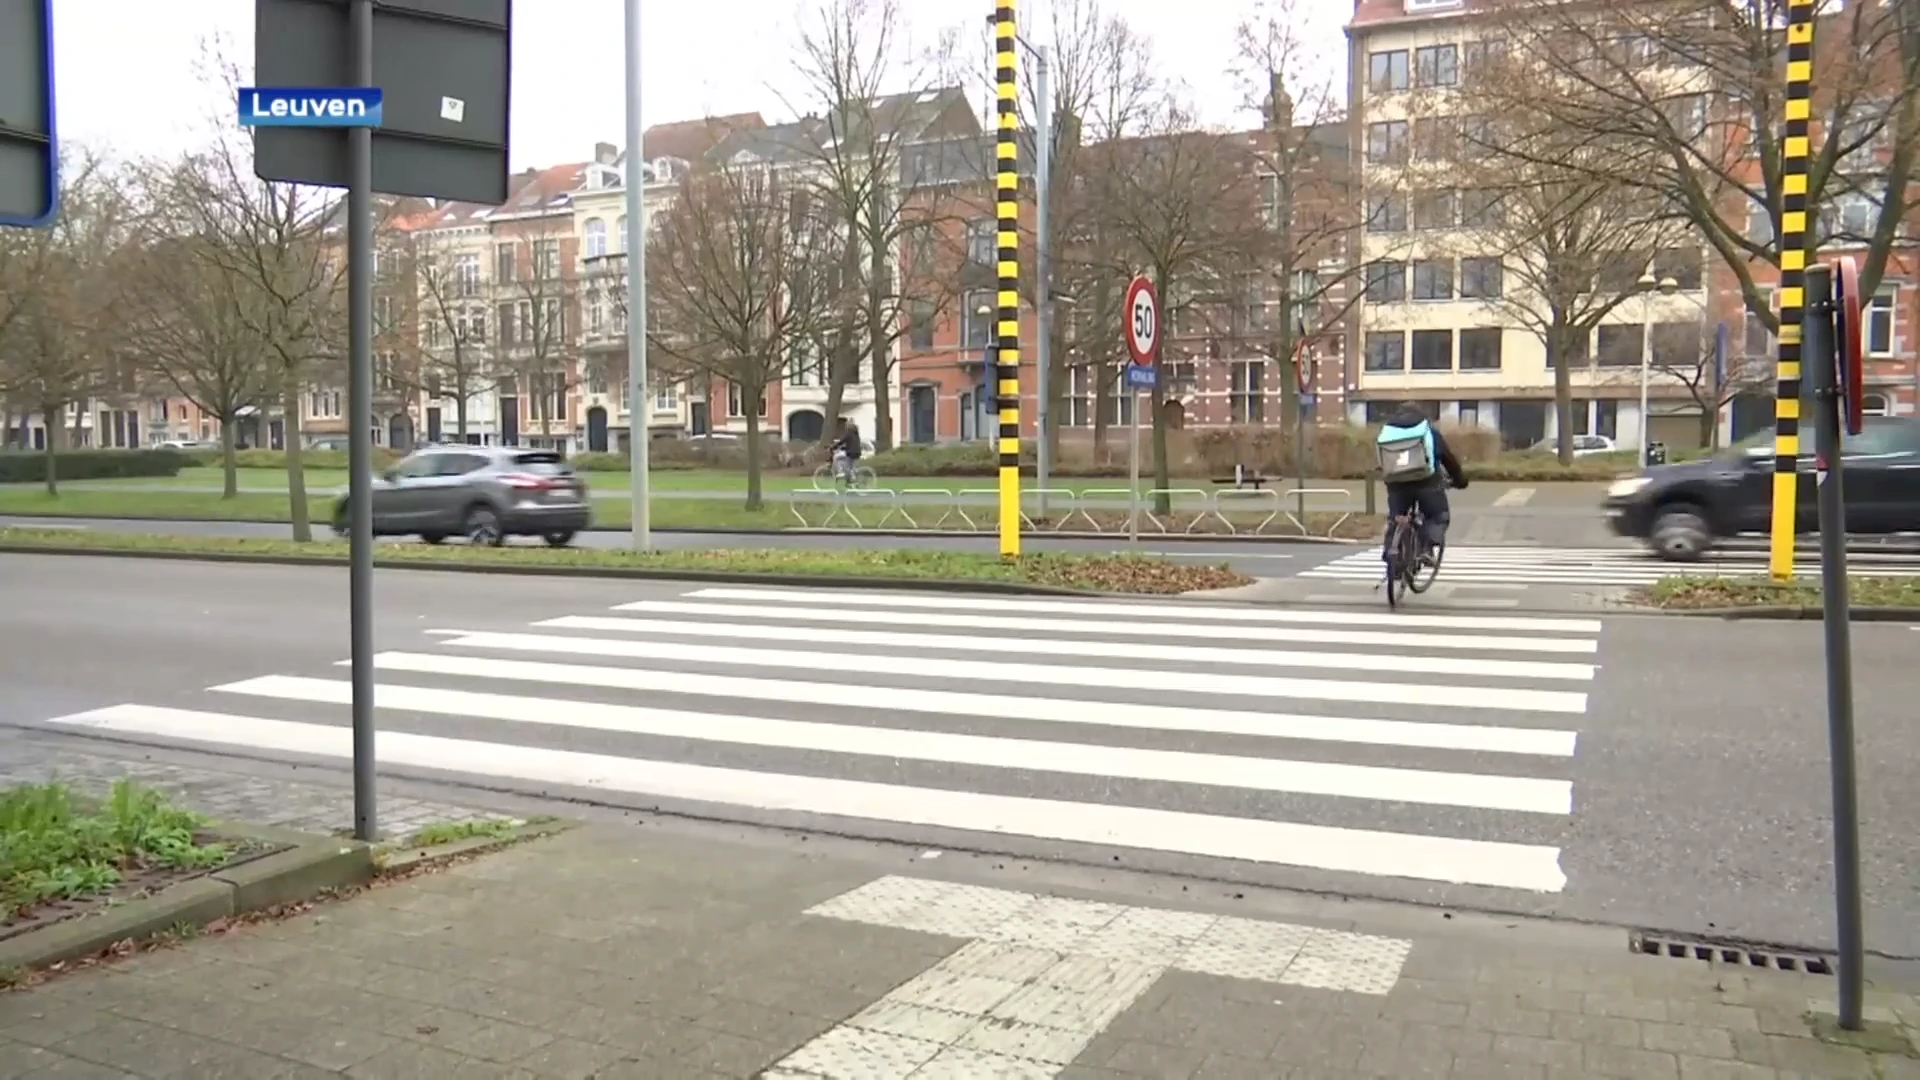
{"x": 615, "y": 952}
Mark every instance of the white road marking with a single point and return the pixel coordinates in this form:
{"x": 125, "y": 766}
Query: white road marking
{"x": 1043, "y": 976}
{"x": 1514, "y": 497}
{"x": 1446, "y": 859}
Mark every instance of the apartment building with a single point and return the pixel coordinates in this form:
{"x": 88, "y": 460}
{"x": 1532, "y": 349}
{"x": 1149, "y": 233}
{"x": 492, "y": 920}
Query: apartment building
{"x": 1431, "y": 328}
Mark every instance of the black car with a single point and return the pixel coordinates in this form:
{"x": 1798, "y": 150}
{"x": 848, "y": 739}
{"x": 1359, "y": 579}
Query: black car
{"x": 484, "y": 493}
{"x": 1681, "y": 510}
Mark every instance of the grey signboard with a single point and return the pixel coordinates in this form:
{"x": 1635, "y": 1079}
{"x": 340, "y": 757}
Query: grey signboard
{"x": 29, "y": 152}
{"x": 444, "y": 68}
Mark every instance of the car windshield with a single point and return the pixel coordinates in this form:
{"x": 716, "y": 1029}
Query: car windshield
{"x": 541, "y": 463}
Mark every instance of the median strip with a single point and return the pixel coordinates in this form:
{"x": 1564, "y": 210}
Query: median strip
{"x": 1870, "y": 597}
{"x": 1040, "y": 572}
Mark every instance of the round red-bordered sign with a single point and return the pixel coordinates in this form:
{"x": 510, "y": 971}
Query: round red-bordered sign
{"x": 1303, "y": 365}
{"x": 1850, "y": 361}
{"x": 1140, "y": 312}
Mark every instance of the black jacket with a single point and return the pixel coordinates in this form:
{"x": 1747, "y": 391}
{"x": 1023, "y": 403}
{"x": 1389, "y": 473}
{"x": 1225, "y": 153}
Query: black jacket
{"x": 1449, "y": 465}
{"x": 849, "y": 441}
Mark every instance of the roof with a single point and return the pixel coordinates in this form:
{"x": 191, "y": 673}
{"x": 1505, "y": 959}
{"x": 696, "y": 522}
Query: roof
{"x": 539, "y": 191}
{"x": 1375, "y": 14}
{"x": 908, "y": 117}
{"x": 691, "y": 140}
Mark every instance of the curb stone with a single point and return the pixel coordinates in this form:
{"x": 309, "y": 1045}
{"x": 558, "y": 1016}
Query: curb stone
{"x": 815, "y": 581}
{"x": 721, "y": 530}
{"x": 395, "y": 859}
{"x": 1787, "y": 613}
{"x": 309, "y": 865}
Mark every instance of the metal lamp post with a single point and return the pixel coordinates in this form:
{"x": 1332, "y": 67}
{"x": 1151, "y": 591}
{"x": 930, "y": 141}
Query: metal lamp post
{"x": 636, "y": 241}
{"x": 1647, "y": 287}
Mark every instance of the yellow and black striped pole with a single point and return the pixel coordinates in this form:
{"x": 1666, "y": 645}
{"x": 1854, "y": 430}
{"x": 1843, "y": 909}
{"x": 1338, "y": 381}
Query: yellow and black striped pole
{"x": 1007, "y": 209}
{"x": 1796, "y": 247}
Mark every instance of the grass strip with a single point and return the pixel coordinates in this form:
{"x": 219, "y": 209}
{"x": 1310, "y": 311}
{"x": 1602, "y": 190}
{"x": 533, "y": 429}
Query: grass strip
{"x": 1099, "y": 573}
{"x": 56, "y": 845}
{"x": 1688, "y": 592}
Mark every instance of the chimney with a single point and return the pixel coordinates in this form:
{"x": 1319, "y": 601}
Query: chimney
{"x": 605, "y": 153}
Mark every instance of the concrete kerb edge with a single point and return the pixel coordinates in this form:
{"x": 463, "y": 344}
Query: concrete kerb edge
{"x": 723, "y": 530}
{"x": 306, "y": 867}
{"x": 815, "y": 581}
{"x": 1787, "y": 613}
{"x": 394, "y": 860}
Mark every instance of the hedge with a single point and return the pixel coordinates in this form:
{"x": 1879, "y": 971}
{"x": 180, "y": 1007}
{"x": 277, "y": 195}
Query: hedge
{"x": 30, "y": 466}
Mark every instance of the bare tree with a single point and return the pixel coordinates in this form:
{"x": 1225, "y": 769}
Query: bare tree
{"x": 1181, "y": 205}
{"x": 537, "y": 346}
{"x": 1713, "y": 373}
{"x": 453, "y": 359}
{"x": 57, "y": 310}
{"x": 1690, "y": 96}
{"x": 735, "y": 277}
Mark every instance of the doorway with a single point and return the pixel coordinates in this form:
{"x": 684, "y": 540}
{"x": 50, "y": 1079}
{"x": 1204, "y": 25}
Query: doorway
{"x": 922, "y": 416}
{"x": 597, "y": 430}
{"x": 806, "y": 426}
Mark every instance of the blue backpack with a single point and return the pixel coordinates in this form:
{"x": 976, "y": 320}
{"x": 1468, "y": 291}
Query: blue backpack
{"x": 1406, "y": 453}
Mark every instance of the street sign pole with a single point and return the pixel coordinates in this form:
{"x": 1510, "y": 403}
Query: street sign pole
{"x": 1140, "y": 317}
{"x": 639, "y": 403}
{"x": 360, "y": 434}
{"x": 1824, "y": 363}
{"x": 29, "y": 149}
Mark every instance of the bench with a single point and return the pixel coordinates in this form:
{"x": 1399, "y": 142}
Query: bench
{"x": 1244, "y": 477}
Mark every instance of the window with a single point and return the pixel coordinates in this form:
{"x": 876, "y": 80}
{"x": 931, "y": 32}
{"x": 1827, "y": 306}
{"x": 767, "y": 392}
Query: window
{"x": 1433, "y": 350}
{"x": 1687, "y": 115}
{"x": 1476, "y": 137}
{"x": 1480, "y": 209}
{"x": 1480, "y": 349}
{"x": 983, "y": 240}
{"x": 383, "y": 314}
{"x": 1759, "y": 225}
{"x": 1247, "y": 400}
{"x": 466, "y": 274}
{"x": 475, "y": 329}
{"x": 1386, "y": 214}
{"x": 1620, "y": 344}
{"x": 505, "y": 263}
{"x": 321, "y": 405}
{"x": 1387, "y": 142}
{"x": 1436, "y": 138}
{"x": 1879, "y": 329}
{"x": 619, "y": 242}
{"x": 594, "y": 243}
{"x": 597, "y": 379}
{"x": 920, "y": 324}
{"x": 553, "y": 326}
{"x": 596, "y": 312}
{"x": 1478, "y": 54}
{"x": 1386, "y": 352}
{"x": 1081, "y": 396}
{"x": 1433, "y": 279}
{"x": 1437, "y": 65}
{"x": 503, "y": 317}
{"x": 546, "y": 260}
{"x": 976, "y": 319}
{"x": 385, "y": 372}
{"x": 1621, "y": 274}
{"x": 1864, "y": 133}
{"x": 1687, "y": 266}
{"x": 667, "y": 399}
{"x": 1874, "y": 405}
{"x": 1482, "y": 278}
{"x": 1851, "y": 215}
{"x": 1676, "y": 346}
{"x": 1433, "y": 209}
{"x": 1758, "y": 343}
{"x": 1386, "y": 282}
{"x": 1387, "y": 71}
{"x": 736, "y": 402}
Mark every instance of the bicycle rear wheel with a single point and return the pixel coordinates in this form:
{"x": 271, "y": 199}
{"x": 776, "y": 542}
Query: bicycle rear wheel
{"x": 1400, "y": 554}
{"x": 823, "y": 479}
{"x": 1420, "y": 583}
{"x": 864, "y": 479}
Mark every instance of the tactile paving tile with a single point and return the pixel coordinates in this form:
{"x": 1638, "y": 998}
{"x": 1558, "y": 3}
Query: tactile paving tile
{"x": 1245, "y": 949}
{"x": 961, "y": 1063}
{"x": 849, "y": 1053}
{"x": 1341, "y": 960}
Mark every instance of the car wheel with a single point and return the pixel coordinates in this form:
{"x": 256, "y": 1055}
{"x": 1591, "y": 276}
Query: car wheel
{"x": 340, "y": 523}
{"x": 558, "y": 538}
{"x": 483, "y": 528}
{"x": 1681, "y": 534}
{"x": 432, "y": 538}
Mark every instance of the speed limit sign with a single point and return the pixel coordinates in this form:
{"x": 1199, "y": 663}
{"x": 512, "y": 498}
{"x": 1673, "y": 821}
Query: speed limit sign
{"x": 1142, "y": 313}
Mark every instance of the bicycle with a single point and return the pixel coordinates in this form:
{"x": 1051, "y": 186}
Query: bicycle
{"x": 842, "y": 473}
{"x": 1403, "y": 558}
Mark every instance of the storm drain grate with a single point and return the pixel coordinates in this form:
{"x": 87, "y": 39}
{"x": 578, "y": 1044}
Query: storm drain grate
{"x": 1729, "y": 952}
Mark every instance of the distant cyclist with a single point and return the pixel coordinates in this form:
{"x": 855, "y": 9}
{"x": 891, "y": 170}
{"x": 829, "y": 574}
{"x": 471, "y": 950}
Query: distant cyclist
{"x": 846, "y": 451}
{"x": 1413, "y": 457}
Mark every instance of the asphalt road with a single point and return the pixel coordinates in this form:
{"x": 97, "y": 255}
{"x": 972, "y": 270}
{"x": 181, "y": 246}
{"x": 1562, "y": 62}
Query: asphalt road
{"x": 1680, "y": 786}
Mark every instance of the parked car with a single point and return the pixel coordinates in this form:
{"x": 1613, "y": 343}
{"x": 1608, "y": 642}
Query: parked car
{"x": 1681, "y": 510}
{"x": 1583, "y": 445}
{"x": 484, "y": 493}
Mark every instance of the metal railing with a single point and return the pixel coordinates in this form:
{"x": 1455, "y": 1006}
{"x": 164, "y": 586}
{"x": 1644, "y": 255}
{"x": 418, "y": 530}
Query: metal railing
{"x": 1081, "y": 512}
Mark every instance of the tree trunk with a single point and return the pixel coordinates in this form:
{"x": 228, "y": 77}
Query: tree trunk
{"x": 460, "y": 401}
{"x": 750, "y": 399}
{"x": 50, "y": 416}
{"x": 1709, "y": 425}
{"x": 229, "y": 458}
{"x": 296, "y": 461}
{"x": 879, "y": 339}
{"x": 1562, "y": 393}
{"x": 79, "y": 420}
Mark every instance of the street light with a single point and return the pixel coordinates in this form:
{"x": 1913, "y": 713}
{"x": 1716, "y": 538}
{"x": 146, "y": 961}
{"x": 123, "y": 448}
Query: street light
{"x": 638, "y": 405}
{"x": 1647, "y": 286}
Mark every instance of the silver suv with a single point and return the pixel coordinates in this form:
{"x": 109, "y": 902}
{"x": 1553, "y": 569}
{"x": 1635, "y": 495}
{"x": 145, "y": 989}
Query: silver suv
{"x": 484, "y": 493}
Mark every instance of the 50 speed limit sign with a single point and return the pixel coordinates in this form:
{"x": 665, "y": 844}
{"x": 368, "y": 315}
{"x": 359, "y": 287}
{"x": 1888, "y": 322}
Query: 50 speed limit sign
{"x": 1142, "y": 313}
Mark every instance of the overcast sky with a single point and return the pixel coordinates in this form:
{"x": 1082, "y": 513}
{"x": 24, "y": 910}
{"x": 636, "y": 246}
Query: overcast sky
{"x": 126, "y": 80}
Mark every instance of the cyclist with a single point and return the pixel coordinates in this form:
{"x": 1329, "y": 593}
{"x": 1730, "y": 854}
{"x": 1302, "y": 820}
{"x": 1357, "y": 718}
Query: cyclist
{"x": 1413, "y": 457}
{"x": 846, "y": 451}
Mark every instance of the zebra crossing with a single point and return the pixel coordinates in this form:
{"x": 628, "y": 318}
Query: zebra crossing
{"x": 1616, "y": 566}
{"x": 1438, "y": 748}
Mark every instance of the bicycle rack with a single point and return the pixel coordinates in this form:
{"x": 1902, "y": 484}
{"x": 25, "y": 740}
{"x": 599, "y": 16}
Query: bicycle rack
{"x": 854, "y": 496}
{"x": 900, "y": 509}
{"x": 1260, "y": 497}
{"x": 1299, "y": 496}
{"x": 960, "y": 503}
{"x": 1087, "y": 495}
{"x": 811, "y": 495}
{"x": 1173, "y": 505}
{"x": 1066, "y": 496}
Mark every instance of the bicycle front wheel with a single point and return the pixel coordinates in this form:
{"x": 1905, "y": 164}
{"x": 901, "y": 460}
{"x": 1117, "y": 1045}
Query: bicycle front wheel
{"x": 1419, "y": 582}
{"x": 823, "y": 478}
{"x": 864, "y": 478}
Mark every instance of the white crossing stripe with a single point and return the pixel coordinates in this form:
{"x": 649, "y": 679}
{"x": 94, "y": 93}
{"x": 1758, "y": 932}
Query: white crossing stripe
{"x": 1430, "y": 858}
{"x": 1188, "y": 612}
{"x": 1121, "y": 714}
{"x": 1104, "y": 650}
{"x": 1514, "y": 497}
{"x": 1525, "y": 566}
{"x": 1170, "y": 766}
{"x": 1441, "y": 750}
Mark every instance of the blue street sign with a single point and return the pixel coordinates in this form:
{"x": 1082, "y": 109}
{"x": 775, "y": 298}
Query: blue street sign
{"x": 29, "y": 151}
{"x": 1720, "y": 358}
{"x": 1307, "y": 400}
{"x": 1142, "y": 377}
